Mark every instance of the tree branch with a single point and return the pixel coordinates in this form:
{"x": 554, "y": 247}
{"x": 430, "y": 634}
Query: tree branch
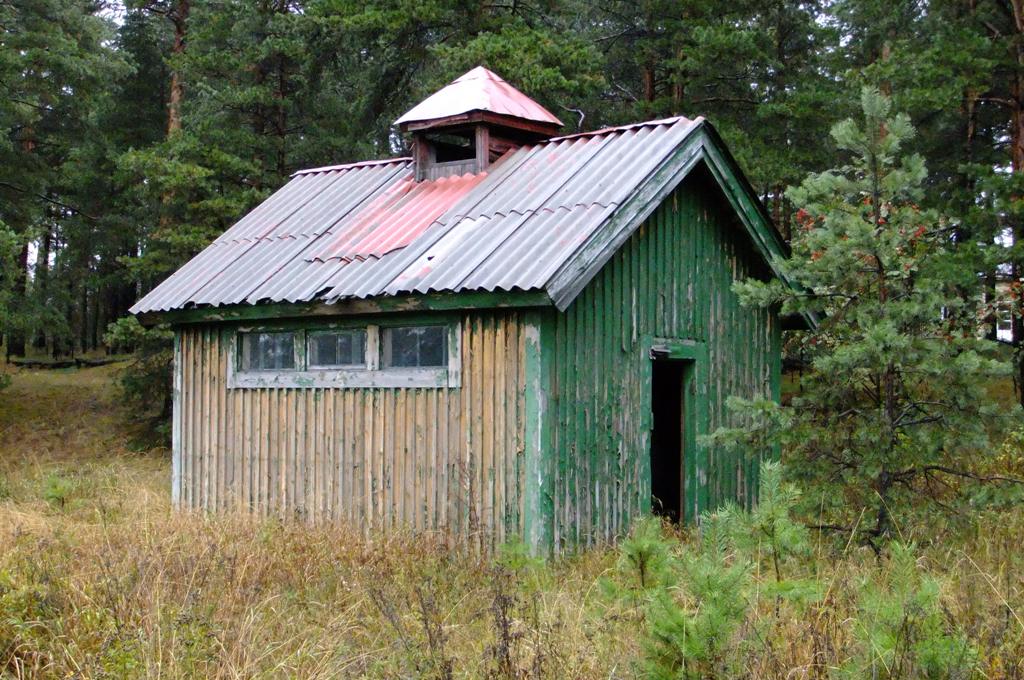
{"x": 910, "y": 472}
{"x": 52, "y": 201}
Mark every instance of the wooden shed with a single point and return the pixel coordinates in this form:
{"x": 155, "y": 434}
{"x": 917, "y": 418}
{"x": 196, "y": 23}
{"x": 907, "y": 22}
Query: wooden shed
{"x": 510, "y": 334}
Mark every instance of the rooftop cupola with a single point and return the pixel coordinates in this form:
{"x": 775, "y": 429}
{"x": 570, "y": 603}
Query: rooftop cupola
{"x": 465, "y": 126}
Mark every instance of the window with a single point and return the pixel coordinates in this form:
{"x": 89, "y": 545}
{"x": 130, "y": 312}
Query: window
{"x": 337, "y": 348}
{"x": 415, "y": 347}
{"x": 348, "y": 353}
{"x": 268, "y": 351}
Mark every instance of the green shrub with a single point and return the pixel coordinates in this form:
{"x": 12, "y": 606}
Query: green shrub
{"x": 57, "y": 489}
{"x": 691, "y": 625}
{"x": 695, "y": 598}
{"x": 902, "y": 631}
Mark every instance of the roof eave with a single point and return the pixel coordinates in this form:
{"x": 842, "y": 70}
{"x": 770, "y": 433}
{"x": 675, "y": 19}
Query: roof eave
{"x": 481, "y": 116}
{"x": 381, "y": 304}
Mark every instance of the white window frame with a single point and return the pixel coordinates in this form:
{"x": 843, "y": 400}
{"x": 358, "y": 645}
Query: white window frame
{"x": 370, "y": 375}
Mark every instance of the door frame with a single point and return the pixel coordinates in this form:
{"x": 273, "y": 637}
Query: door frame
{"x": 696, "y": 459}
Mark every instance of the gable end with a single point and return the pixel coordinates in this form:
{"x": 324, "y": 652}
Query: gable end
{"x": 701, "y": 145}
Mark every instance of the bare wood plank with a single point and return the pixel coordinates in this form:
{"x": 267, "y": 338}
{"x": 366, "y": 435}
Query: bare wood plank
{"x": 501, "y": 399}
{"x": 420, "y": 459}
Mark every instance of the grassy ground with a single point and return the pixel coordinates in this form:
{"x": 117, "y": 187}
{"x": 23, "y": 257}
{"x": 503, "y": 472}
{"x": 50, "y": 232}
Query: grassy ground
{"x": 98, "y": 578}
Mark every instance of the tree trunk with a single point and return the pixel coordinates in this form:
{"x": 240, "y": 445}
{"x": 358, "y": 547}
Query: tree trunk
{"x": 648, "y": 83}
{"x": 83, "y": 321}
{"x": 281, "y": 117}
{"x": 179, "y": 19}
{"x": 970, "y": 112}
{"x": 1017, "y": 166}
{"x": 16, "y": 336}
{"x": 42, "y": 285}
{"x": 885, "y": 87}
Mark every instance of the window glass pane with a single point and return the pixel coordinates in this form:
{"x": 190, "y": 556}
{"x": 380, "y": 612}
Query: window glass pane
{"x": 338, "y": 348}
{"x": 268, "y": 351}
{"x": 415, "y": 346}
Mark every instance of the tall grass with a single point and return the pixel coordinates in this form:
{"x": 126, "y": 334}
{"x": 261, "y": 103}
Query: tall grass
{"x": 98, "y": 578}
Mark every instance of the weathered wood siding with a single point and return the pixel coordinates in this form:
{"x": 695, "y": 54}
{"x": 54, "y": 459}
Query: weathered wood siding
{"x": 449, "y": 459}
{"x": 548, "y": 435}
{"x": 672, "y": 280}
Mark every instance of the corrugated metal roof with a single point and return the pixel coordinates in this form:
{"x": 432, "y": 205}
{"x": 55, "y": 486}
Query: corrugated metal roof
{"x": 394, "y": 219}
{"x": 364, "y": 230}
{"x": 478, "y": 90}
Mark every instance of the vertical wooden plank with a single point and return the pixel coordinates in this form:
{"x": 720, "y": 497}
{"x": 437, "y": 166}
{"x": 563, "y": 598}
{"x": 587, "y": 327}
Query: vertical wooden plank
{"x": 563, "y": 386}
{"x": 247, "y": 450}
{"x": 176, "y": 420}
{"x": 224, "y": 423}
{"x": 236, "y": 449}
{"x": 205, "y": 433}
{"x": 349, "y": 462}
{"x": 448, "y": 450}
{"x": 519, "y": 437}
{"x": 324, "y": 454}
{"x": 462, "y": 473}
{"x": 382, "y": 468}
{"x": 269, "y": 473}
{"x": 477, "y": 469}
{"x": 195, "y": 461}
{"x": 187, "y": 419}
{"x": 431, "y": 424}
{"x": 538, "y": 507}
{"x": 345, "y": 464}
{"x": 421, "y": 459}
{"x": 413, "y": 508}
{"x": 402, "y": 442}
{"x": 486, "y": 393}
{"x": 293, "y": 489}
{"x": 312, "y": 455}
{"x": 394, "y": 422}
{"x": 284, "y": 434}
{"x": 367, "y": 447}
{"x": 500, "y": 407}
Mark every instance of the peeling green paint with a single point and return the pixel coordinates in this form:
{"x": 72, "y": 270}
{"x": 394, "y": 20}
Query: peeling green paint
{"x": 538, "y": 501}
{"x": 668, "y": 285}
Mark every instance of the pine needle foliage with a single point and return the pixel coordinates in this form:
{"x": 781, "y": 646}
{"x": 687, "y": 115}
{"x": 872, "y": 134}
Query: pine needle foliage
{"x": 691, "y": 626}
{"x": 902, "y": 631}
{"x": 697, "y": 597}
{"x": 895, "y": 408}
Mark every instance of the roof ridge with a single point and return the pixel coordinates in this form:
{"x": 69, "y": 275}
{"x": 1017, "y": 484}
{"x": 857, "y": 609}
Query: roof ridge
{"x": 591, "y": 133}
{"x": 355, "y": 164}
{"x": 628, "y": 126}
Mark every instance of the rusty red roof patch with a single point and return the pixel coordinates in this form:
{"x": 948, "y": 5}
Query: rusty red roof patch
{"x": 394, "y": 219}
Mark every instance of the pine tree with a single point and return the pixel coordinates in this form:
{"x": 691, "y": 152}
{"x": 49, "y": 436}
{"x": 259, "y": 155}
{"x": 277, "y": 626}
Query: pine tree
{"x": 55, "y": 63}
{"x": 896, "y": 404}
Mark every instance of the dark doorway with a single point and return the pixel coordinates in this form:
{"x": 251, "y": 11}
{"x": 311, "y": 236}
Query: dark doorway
{"x": 667, "y": 437}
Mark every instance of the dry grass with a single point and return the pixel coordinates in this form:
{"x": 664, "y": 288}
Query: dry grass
{"x": 98, "y": 578}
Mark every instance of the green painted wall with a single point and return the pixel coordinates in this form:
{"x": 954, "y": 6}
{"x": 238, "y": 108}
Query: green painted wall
{"x": 671, "y": 280}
